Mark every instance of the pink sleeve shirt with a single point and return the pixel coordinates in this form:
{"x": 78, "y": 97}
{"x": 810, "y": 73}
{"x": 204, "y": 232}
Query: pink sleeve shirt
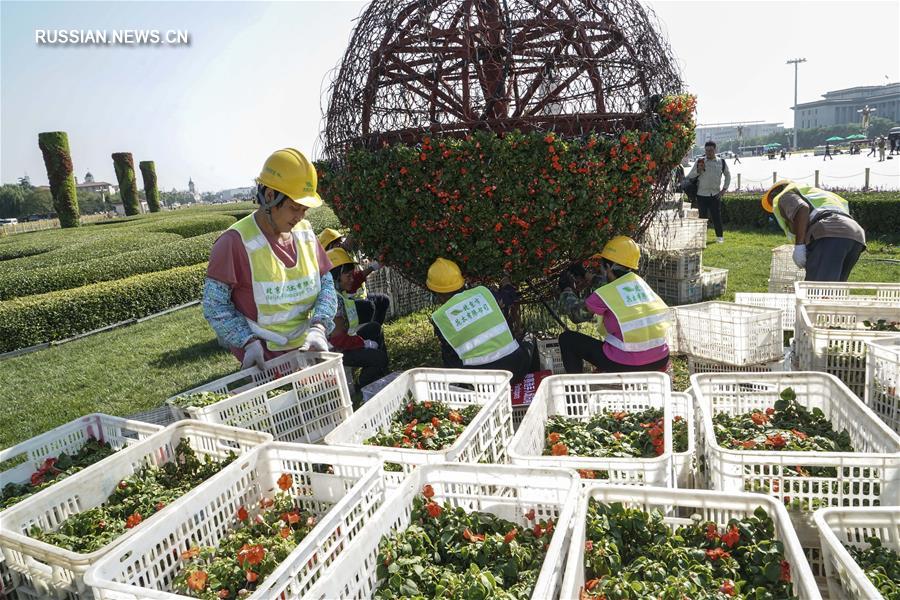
{"x": 635, "y": 359}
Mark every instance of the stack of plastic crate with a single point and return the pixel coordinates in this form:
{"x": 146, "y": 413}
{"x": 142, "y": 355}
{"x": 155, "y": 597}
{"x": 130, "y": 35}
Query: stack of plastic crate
{"x": 883, "y": 380}
{"x": 783, "y": 272}
{"x": 722, "y": 337}
{"x": 406, "y": 297}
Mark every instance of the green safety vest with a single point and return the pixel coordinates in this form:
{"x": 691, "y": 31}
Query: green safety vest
{"x": 350, "y": 311}
{"x": 284, "y": 296}
{"x": 643, "y": 317}
{"x": 818, "y": 200}
{"x": 474, "y": 326}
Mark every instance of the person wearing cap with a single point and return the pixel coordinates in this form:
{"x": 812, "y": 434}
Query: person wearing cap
{"x": 362, "y": 344}
{"x": 369, "y": 307}
{"x": 268, "y": 287}
{"x": 472, "y": 327}
{"x": 630, "y": 317}
{"x": 827, "y": 241}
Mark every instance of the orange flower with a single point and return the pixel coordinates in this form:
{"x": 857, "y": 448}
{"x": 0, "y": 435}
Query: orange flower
{"x": 428, "y": 491}
{"x": 285, "y": 532}
{"x": 617, "y": 435}
{"x": 190, "y": 553}
{"x": 586, "y": 474}
{"x": 472, "y": 537}
{"x": 553, "y": 438}
{"x": 265, "y": 503}
{"x": 776, "y": 441}
{"x": 133, "y": 520}
{"x": 727, "y": 587}
{"x": 591, "y": 584}
{"x": 455, "y": 416}
{"x": 559, "y": 450}
{"x": 251, "y": 576}
{"x": 435, "y": 422}
{"x": 251, "y": 555}
{"x": 716, "y": 554}
{"x": 759, "y": 418}
{"x": 427, "y": 404}
{"x": 197, "y": 581}
{"x": 511, "y": 535}
{"x": 291, "y": 517}
{"x": 799, "y": 434}
{"x": 711, "y": 533}
{"x": 434, "y": 511}
{"x": 530, "y": 515}
{"x": 619, "y": 415}
{"x": 285, "y": 482}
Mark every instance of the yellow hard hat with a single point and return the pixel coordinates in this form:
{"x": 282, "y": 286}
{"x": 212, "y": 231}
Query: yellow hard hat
{"x": 623, "y": 251}
{"x": 767, "y": 197}
{"x": 339, "y": 257}
{"x": 444, "y": 276}
{"x": 328, "y": 235}
{"x": 288, "y": 171}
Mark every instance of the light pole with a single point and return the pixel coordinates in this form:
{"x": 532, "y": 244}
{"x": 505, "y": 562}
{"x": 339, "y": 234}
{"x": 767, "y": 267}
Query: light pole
{"x": 795, "y": 62}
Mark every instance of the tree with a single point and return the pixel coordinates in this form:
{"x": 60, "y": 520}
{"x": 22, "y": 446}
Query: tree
{"x": 123, "y": 163}
{"x": 151, "y": 191}
{"x": 12, "y": 197}
{"x": 58, "y": 160}
{"x": 25, "y": 182}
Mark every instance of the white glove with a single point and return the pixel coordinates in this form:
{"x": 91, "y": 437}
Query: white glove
{"x": 370, "y": 344}
{"x": 253, "y": 356}
{"x": 374, "y": 265}
{"x": 800, "y": 255}
{"x": 315, "y": 340}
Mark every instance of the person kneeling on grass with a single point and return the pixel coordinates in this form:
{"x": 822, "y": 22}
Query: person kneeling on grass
{"x": 471, "y": 326}
{"x": 630, "y": 317}
{"x": 362, "y": 344}
{"x": 369, "y": 307}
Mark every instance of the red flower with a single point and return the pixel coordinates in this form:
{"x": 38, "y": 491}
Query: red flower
{"x": 285, "y": 532}
{"x": 588, "y": 546}
{"x": 549, "y": 138}
{"x": 455, "y": 416}
{"x": 586, "y": 474}
{"x": 591, "y": 584}
{"x": 251, "y": 576}
{"x": 498, "y": 227}
{"x": 434, "y": 511}
{"x": 731, "y": 537}
{"x": 133, "y": 520}
{"x": 159, "y": 506}
{"x": 251, "y": 555}
{"x": 197, "y": 581}
{"x": 427, "y": 404}
{"x": 758, "y": 418}
{"x": 559, "y": 450}
{"x": 285, "y": 482}
{"x": 727, "y": 587}
{"x": 510, "y": 535}
{"x": 190, "y": 553}
{"x": 435, "y": 422}
{"x": 716, "y": 554}
{"x": 770, "y": 411}
{"x": 428, "y": 491}
{"x": 538, "y": 531}
{"x": 472, "y": 537}
{"x": 712, "y": 533}
{"x": 404, "y": 170}
{"x": 776, "y": 441}
{"x": 785, "y": 571}
{"x": 553, "y": 438}
{"x": 265, "y": 503}
{"x": 423, "y": 156}
{"x": 530, "y": 515}
{"x": 799, "y": 434}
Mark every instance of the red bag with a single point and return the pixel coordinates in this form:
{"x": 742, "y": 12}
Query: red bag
{"x": 523, "y": 392}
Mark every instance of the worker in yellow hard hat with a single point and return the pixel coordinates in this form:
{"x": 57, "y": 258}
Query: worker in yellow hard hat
{"x": 827, "y": 240}
{"x": 369, "y": 306}
{"x": 471, "y": 325}
{"x": 362, "y": 343}
{"x": 631, "y": 319}
{"x": 268, "y": 287}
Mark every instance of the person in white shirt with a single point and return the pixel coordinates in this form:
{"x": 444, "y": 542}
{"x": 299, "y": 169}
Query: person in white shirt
{"x": 710, "y": 171}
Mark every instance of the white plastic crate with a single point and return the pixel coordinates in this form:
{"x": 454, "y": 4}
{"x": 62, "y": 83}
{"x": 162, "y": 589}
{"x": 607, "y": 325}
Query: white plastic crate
{"x": 714, "y": 282}
{"x": 677, "y": 291}
{"x": 672, "y": 265}
{"x": 839, "y": 526}
{"x": 783, "y": 272}
{"x": 677, "y": 506}
{"x": 342, "y": 486}
{"x": 786, "y": 303}
{"x": 730, "y": 333}
{"x": 56, "y": 572}
{"x": 852, "y": 292}
{"x": 583, "y": 396}
{"x": 702, "y": 365}
{"x": 550, "y": 356}
{"x": 316, "y": 400}
{"x": 684, "y": 463}
{"x": 841, "y": 352}
{"x": 483, "y": 440}
{"x": 20, "y": 461}
{"x": 868, "y": 476}
{"x": 675, "y": 234}
{"x": 883, "y": 380}
{"x": 506, "y": 491}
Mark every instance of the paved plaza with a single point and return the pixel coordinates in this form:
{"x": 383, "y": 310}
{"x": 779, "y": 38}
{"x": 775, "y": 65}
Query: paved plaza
{"x": 844, "y": 172}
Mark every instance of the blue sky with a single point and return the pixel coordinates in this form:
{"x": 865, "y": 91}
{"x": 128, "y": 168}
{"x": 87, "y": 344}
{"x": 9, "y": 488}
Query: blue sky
{"x": 250, "y": 82}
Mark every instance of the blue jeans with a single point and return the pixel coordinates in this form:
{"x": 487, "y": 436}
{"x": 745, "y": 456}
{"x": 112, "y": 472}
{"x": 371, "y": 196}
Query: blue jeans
{"x": 831, "y": 258}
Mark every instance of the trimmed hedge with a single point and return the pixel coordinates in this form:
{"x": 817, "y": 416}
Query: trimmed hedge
{"x": 184, "y": 252}
{"x": 110, "y": 243}
{"x": 188, "y": 226}
{"x": 59, "y": 315}
{"x": 877, "y": 212}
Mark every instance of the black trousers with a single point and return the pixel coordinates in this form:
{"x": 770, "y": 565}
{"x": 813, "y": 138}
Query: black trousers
{"x": 519, "y": 363}
{"x": 373, "y": 308}
{"x": 576, "y": 347}
{"x": 710, "y": 207}
{"x": 831, "y": 259}
{"x": 372, "y": 361}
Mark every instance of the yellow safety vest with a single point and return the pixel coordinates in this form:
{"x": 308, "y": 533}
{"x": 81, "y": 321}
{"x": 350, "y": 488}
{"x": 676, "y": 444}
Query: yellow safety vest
{"x": 473, "y": 324}
{"x": 643, "y": 317}
{"x": 819, "y": 202}
{"x": 350, "y": 312}
{"x": 284, "y": 296}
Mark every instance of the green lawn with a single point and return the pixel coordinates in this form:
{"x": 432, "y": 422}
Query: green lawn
{"x": 135, "y": 368}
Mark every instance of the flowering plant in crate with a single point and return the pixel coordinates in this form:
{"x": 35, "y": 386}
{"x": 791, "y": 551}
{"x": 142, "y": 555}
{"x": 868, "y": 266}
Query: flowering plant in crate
{"x": 880, "y": 564}
{"x": 135, "y": 498}
{"x": 630, "y": 553}
{"x": 250, "y": 553}
{"x": 447, "y": 552}
{"x": 428, "y": 425}
{"x": 520, "y": 204}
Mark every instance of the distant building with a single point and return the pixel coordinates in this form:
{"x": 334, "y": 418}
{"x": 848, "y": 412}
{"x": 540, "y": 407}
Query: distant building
{"x": 241, "y": 193}
{"x": 98, "y": 187}
{"x": 192, "y": 190}
{"x": 839, "y": 107}
{"x": 726, "y": 132}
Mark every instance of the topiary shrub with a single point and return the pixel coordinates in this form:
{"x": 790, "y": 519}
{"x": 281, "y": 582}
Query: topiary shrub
{"x": 148, "y": 172}
{"x": 58, "y": 160}
{"x": 123, "y": 163}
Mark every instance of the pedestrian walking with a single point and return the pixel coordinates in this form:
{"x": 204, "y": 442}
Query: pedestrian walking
{"x": 783, "y": 154}
{"x": 881, "y": 148}
{"x": 872, "y": 149}
{"x": 708, "y": 173}
{"x": 737, "y": 158}
{"x": 827, "y": 152}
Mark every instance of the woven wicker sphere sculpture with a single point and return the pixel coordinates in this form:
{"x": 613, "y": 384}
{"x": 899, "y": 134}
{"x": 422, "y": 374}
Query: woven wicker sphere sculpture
{"x": 517, "y": 122}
